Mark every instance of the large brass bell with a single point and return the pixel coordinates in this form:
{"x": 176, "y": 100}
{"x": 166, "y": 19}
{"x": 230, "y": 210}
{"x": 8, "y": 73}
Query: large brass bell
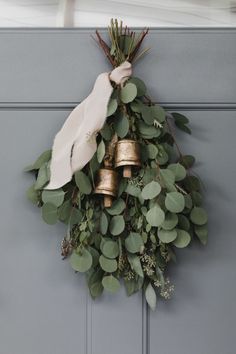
{"x": 127, "y": 154}
{"x": 107, "y": 184}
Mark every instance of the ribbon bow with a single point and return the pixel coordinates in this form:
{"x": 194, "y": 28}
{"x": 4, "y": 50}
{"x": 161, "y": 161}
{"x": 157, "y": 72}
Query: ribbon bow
{"x": 75, "y": 144}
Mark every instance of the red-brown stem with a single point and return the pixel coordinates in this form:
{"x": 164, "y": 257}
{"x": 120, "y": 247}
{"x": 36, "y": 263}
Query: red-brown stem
{"x": 105, "y": 48}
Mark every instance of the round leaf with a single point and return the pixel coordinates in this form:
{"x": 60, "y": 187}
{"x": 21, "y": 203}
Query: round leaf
{"x": 183, "y": 239}
{"x": 55, "y": 197}
{"x": 81, "y": 262}
{"x": 135, "y": 264}
{"x": 117, "y": 225}
{"x": 151, "y": 297}
{"x": 198, "y": 216}
{"x": 83, "y": 183}
{"x": 108, "y": 265}
{"x": 110, "y": 249}
{"x": 155, "y": 216}
{"x": 112, "y": 107}
{"x": 117, "y": 207}
{"x": 49, "y": 213}
{"x": 167, "y": 236}
{"x": 101, "y": 151}
{"x": 103, "y": 224}
{"x": 152, "y": 151}
{"x": 141, "y": 87}
{"x": 32, "y": 195}
{"x": 202, "y": 233}
{"x": 174, "y": 202}
{"x": 121, "y": 125}
{"x": 128, "y": 93}
{"x": 134, "y": 242}
{"x": 171, "y": 220}
{"x": 110, "y": 283}
{"x": 178, "y": 171}
{"x": 151, "y": 190}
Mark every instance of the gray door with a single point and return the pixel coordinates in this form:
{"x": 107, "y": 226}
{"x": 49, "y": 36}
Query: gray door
{"x": 44, "y": 306}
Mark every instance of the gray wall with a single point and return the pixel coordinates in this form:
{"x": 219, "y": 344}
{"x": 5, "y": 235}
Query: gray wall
{"x": 44, "y": 306}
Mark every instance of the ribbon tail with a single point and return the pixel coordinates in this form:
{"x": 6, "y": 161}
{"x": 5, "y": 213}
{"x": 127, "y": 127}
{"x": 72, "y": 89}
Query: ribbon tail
{"x": 75, "y": 144}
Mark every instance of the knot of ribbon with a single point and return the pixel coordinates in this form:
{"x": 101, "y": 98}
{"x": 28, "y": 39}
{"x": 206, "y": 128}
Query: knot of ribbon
{"x": 75, "y": 144}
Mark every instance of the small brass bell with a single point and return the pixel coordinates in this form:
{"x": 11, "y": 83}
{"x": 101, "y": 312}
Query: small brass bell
{"x": 127, "y": 155}
{"x": 107, "y": 184}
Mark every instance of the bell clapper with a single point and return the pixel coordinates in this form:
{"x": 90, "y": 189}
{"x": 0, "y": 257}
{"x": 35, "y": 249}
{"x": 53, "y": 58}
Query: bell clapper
{"x": 107, "y": 201}
{"x": 127, "y": 171}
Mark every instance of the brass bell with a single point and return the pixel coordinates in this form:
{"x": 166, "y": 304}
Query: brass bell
{"x": 107, "y": 184}
{"x": 127, "y": 154}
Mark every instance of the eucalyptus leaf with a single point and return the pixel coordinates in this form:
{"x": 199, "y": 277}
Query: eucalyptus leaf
{"x": 121, "y": 125}
{"x": 32, "y": 194}
{"x": 151, "y": 297}
{"x": 174, "y": 202}
{"x": 134, "y": 242}
{"x": 152, "y": 151}
{"x": 43, "y": 176}
{"x": 75, "y": 216}
{"x": 108, "y": 265}
{"x": 133, "y": 190}
{"x": 65, "y": 211}
{"x": 110, "y": 249}
{"x": 141, "y": 87}
{"x": 187, "y": 161}
{"x": 101, "y": 151}
{"x": 117, "y": 225}
{"x": 135, "y": 264}
{"x": 151, "y": 190}
{"x": 158, "y": 113}
{"x": 83, "y": 183}
{"x": 198, "y": 216}
{"x": 81, "y": 261}
{"x": 167, "y": 177}
{"x": 117, "y": 207}
{"x": 96, "y": 289}
{"x": 183, "y": 239}
{"x": 202, "y": 233}
{"x": 171, "y": 220}
{"x": 55, "y": 197}
{"x": 178, "y": 171}
{"x": 103, "y": 224}
{"x": 147, "y": 114}
{"x": 112, "y": 107}
{"x": 167, "y": 236}
{"x": 110, "y": 283}
{"x": 155, "y": 216}
{"x": 49, "y": 213}
{"x": 44, "y": 157}
{"x": 128, "y": 92}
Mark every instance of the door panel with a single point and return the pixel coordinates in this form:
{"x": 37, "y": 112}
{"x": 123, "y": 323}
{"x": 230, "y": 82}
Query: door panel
{"x": 44, "y": 305}
{"x": 201, "y": 316}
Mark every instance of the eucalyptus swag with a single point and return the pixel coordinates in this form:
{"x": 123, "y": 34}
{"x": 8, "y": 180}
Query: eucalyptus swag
{"x": 156, "y": 210}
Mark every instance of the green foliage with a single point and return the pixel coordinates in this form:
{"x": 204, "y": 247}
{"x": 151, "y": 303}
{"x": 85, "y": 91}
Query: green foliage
{"x": 83, "y": 183}
{"x": 151, "y": 297}
{"x": 151, "y": 190}
{"x": 121, "y": 125}
{"x": 81, "y": 260}
{"x": 134, "y": 242}
{"x": 117, "y": 225}
{"x": 155, "y": 216}
{"x": 49, "y": 213}
{"x": 128, "y": 92}
{"x": 55, "y": 197}
{"x": 158, "y": 209}
{"x": 110, "y": 283}
{"x": 174, "y": 202}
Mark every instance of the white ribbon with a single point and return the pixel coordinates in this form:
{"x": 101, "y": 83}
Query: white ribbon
{"x": 75, "y": 144}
